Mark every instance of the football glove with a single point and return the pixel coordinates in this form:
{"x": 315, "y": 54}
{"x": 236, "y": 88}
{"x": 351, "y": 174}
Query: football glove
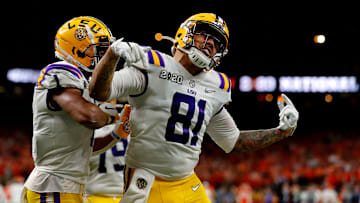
{"x": 122, "y": 126}
{"x": 111, "y": 111}
{"x": 131, "y": 52}
{"x": 288, "y": 115}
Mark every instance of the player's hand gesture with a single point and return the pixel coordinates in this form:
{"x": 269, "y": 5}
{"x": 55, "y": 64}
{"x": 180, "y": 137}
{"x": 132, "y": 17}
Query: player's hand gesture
{"x": 131, "y": 52}
{"x": 288, "y": 115}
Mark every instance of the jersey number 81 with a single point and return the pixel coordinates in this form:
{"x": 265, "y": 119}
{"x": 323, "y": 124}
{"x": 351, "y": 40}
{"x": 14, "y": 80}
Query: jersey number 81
{"x": 176, "y": 117}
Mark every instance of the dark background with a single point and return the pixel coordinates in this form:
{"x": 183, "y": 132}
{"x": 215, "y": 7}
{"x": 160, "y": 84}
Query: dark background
{"x": 264, "y": 40}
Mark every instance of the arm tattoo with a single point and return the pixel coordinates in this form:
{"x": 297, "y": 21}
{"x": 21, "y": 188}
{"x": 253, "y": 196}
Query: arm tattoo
{"x": 104, "y": 78}
{"x": 99, "y": 86}
{"x": 251, "y": 140}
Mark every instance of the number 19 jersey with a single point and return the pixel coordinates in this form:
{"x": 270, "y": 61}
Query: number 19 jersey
{"x": 169, "y": 118}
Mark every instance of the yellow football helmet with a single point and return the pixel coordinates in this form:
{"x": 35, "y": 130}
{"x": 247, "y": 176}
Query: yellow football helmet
{"x": 82, "y": 41}
{"x": 214, "y": 26}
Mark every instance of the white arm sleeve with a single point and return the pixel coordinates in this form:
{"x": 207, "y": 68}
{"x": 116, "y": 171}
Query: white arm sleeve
{"x": 223, "y": 130}
{"x": 127, "y": 81}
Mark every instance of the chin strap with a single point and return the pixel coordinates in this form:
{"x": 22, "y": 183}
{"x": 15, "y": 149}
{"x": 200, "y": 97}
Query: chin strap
{"x": 200, "y": 60}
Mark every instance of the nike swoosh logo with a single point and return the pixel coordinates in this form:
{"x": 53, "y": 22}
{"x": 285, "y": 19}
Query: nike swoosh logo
{"x": 109, "y": 108}
{"x": 195, "y": 188}
{"x": 209, "y": 91}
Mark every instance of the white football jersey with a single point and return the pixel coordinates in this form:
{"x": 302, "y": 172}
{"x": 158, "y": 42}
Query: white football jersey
{"x": 61, "y": 147}
{"x": 106, "y": 170}
{"x": 170, "y": 116}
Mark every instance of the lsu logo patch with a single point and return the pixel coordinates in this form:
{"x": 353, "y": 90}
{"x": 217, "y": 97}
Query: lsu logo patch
{"x": 80, "y": 33}
{"x": 141, "y": 183}
{"x": 126, "y": 126}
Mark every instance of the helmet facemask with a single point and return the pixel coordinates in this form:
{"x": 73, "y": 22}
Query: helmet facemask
{"x": 199, "y": 55}
{"x": 205, "y": 48}
{"x": 95, "y": 51}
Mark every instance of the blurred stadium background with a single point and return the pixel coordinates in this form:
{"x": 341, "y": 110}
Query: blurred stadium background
{"x": 271, "y": 51}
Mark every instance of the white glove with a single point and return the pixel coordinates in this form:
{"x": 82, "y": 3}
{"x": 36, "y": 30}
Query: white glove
{"x": 122, "y": 126}
{"x": 111, "y": 111}
{"x": 131, "y": 52}
{"x": 288, "y": 114}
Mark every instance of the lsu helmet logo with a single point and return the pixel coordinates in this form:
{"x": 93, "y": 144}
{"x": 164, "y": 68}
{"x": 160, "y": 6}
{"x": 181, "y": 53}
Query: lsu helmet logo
{"x": 80, "y": 33}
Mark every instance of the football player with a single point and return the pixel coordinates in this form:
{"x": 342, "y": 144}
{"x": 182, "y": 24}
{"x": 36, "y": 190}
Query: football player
{"x": 64, "y": 115}
{"x": 175, "y": 100}
{"x": 105, "y": 181}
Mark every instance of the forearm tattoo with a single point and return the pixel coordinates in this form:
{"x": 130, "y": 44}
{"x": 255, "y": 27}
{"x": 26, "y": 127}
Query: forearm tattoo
{"x": 105, "y": 78}
{"x": 252, "y": 140}
{"x": 101, "y": 82}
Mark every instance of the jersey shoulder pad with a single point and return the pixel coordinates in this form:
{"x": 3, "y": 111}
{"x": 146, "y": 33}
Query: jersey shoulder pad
{"x": 155, "y": 58}
{"x": 63, "y": 75}
{"x": 225, "y": 82}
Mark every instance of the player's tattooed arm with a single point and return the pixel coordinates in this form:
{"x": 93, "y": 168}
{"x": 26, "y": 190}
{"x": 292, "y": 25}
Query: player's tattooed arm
{"x": 251, "y": 140}
{"x": 102, "y": 76}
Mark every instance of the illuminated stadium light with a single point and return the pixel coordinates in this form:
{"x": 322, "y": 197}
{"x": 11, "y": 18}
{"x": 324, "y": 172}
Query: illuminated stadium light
{"x": 23, "y": 75}
{"x": 269, "y": 97}
{"x": 245, "y": 83}
{"x": 328, "y": 98}
{"x": 319, "y": 39}
{"x": 259, "y": 84}
{"x": 265, "y": 84}
{"x": 320, "y": 84}
{"x": 299, "y": 84}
